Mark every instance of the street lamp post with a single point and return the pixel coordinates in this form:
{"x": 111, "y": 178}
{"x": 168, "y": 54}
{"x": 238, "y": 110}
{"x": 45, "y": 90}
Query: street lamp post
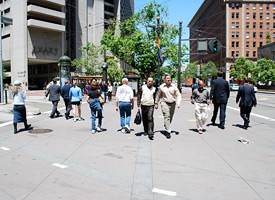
{"x": 159, "y": 28}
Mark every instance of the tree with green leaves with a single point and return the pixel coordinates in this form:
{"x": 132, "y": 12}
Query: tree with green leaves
{"x": 264, "y": 71}
{"x": 240, "y": 69}
{"x": 134, "y": 41}
{"x": 114, "y": 72}
{"x": 89, "y": 61}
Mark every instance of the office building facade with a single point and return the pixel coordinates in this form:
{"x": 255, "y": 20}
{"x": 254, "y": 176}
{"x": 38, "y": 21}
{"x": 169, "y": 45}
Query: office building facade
{"x": 241, "y": 26}
{"x": 45, "y": 30}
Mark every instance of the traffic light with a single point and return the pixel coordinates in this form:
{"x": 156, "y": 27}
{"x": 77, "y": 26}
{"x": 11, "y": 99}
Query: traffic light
{"x": 214, "y": 45}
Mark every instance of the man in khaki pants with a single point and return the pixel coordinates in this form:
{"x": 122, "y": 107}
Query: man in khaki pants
{"x": 169, "y": 96}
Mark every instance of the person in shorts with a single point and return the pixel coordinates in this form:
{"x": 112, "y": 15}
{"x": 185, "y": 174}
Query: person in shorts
{"x": 75, "y": 96}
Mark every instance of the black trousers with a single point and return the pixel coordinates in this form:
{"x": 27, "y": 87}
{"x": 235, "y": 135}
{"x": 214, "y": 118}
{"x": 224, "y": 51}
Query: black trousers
{"x": 68, "y": 106}
{"x": 148, "y": 119}
{"x": 109, "y": 96}
{"x": 222, "y": 107}
{"x": 54, "y": 110}
{"x": 245, "y": 112}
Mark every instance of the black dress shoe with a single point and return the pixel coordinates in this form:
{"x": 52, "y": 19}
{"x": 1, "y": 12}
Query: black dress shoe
{"x": 151, "y": 137}
{"x": 168, "y": 135}
{"x": 28, "y": 126}
{"x": 15, "y": 131}
{"x": 51, "y": 117}
{"x": 221, "y": 127}
{"x": 58, "y": 114}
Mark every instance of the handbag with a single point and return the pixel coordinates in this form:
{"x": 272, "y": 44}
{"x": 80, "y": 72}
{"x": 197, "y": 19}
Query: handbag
{"x": 138, "y": 118}
{"x": 101, "y": 101}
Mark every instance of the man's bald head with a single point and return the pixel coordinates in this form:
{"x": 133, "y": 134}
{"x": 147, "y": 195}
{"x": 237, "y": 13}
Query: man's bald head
{"x": 200, "y": 83}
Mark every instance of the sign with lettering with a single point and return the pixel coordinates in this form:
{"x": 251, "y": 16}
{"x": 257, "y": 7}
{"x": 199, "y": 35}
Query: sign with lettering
{"x": 44, "y": 50}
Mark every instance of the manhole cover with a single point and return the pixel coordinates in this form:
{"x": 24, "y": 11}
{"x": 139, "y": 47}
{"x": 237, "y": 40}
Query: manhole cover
{"x": 37, "y": 131}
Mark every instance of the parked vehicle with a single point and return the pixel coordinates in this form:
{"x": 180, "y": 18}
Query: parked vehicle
{"x": 233, "y": 87}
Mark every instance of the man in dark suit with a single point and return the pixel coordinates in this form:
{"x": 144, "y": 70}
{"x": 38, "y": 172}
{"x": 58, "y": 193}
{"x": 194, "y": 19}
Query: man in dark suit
{"x": 65, "y": 90}
{"x": 219, "y": 95}
{"x": 54, "y": 91}
{"x": 248, "y": 99}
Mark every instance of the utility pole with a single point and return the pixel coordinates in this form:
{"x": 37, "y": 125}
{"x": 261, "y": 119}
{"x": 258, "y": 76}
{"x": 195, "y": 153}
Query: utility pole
{"x": 179, "y": 58}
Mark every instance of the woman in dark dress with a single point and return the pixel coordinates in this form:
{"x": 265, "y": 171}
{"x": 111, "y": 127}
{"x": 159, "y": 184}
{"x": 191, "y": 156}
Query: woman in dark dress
{"x": 19, "y": 109}
{"x": 93, "y": 100}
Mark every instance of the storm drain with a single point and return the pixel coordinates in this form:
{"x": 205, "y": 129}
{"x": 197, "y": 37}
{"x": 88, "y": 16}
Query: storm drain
{"x": 39, "y": 131}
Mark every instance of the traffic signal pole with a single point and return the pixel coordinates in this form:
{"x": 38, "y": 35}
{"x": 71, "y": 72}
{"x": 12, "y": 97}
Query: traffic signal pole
{"x": 179, "y": 58}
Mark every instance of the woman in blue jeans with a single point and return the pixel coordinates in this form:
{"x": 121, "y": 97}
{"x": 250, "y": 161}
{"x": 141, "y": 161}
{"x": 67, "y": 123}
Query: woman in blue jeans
{"x": 93, "y": 100}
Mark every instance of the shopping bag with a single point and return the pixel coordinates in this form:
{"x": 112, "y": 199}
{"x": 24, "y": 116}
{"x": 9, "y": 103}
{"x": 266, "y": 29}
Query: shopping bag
{"x": 138, "y": 118}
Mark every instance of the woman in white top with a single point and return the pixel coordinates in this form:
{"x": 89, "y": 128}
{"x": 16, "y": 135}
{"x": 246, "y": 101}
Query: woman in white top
{"x": 110, "y": 91}
{"x": 19, "y": 109}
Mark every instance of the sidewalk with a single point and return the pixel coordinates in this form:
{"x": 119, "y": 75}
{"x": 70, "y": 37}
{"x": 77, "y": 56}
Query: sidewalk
{"x": 70, "y": 163}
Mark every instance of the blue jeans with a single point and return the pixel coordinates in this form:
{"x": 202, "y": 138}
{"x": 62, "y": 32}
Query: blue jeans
{"x": 104, "y": 94}
{"x": 95, "y": 106}
{"x": 125, "y": 108}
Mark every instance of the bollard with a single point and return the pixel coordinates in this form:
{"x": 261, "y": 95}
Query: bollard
{"x": 6, "y": 96}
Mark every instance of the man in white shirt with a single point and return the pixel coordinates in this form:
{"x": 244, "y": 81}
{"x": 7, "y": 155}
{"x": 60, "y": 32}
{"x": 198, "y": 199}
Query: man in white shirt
{"x": 169, "y": 96}
{"x": 145, "y": 103}
{"x": 125, "y": 102}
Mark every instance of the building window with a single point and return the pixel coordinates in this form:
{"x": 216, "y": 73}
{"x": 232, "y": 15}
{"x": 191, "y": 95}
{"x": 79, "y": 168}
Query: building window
{"x": 233, "y": 15}
{"x": 237, "y": 5}
{"x": 237, "y": 44}
{"x": 254, "y": 24}
{"x": 247, "y": 34}
{"x": 254, "y": 6}
{"x": 254, "y": 34}
{"x": 233, "y": 25}
{"x": 233, "y": 44}
{"x": 261, "y": 6}
{"x": 267, "y": 25}
{"x": 273, "y": 24}
{"x": 237, "y": 53}
{"x": 237, "y": 24}
{"x": 267, "y": 15}
{"x": 247, "y": 15}
{"x": 254, "y": 53}
{"x": 261, "y": 15}
{"x": 232, "y": 53}
{"x": 247, "y": 44}
{"x": 247, "y": 54}
{"x": 247, "y": 6}
{"x": 273, "y": 15}
{"x": 254, "y": 15}
{"x": 237, "y": 34}
{"x": 261, "y": 34}
{"x": 273, "y": 34}
{"x": 267, "y": 6}
{"x": 254, "y": 44}
{"x": 233, "y": 34}
{"x": 261, "y": 24}
{"x": 273, "y": 6}
{"x": 261, "y": 44}
{"x": 232, "y": 5}
{"x": 247, "y": 24}
{"x": 237, "y": 15}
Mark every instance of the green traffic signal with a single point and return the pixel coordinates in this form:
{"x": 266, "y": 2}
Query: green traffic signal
{"x": 214, "y": 45}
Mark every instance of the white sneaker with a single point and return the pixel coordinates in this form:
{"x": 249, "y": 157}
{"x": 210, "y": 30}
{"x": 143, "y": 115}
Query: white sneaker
{"x": 93, "y": 131}
{"x": 127, "y": 128}
{"x": 75, "y": 119}
{"x": 122, "y": 130}
{"x": 99, "y": 129}
{"x": 81, "y": 119}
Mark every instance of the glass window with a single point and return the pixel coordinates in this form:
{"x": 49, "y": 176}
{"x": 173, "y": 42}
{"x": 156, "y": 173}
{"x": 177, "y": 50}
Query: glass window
{"x": 273, "y": 15}
{"x": 237, "y": 53}
{"x": 254, "y": 34}
{"x": 237, "y": 15}
{"x": 233, "y": 25}
{"x": 237, "y": 5}
{"x": 247, "y": 15}
{"x": 267, "y": 25}
{"x": 273, "y": 24}
{"x": 247, "y": 6}
{"x": 254, "y": 6}
{"x": 273, "y": 6}
{"x": 254, "y": 24}
{"x": 254, "y": 44}
{"x": 247, "y": 54}
{"x": 261, "y": 44}
{"x": 267, "y": 15}
{"x": 237, "y": 44}
{"x": 232, "y": 53}
{"x": 247, "y": 24}
{"x": 247, "y": 34}
{"x": 233, "y": 44}
{"x": 261, "y": 15}
{"x": 233, "y": 34}
{"x": 237, "y": 34}
{"x": 261, "y": 34}
{"x": 233, "y": 15}
{"x": 267, "y": 6}
{"x": 261, "y": 24}
{"x": 247, "y": 44}
{"x": 273, "y": 34}
{"x": 232, "y": 5}
{"x": 254, "y": 15}
{"x": 237, "y": 24}
{"x": 261, "y": 6}
{"x": 254, "y": 53}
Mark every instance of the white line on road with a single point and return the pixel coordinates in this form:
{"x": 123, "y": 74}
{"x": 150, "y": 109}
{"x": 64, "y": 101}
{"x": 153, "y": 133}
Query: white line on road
{"x": 60, "y": 165}
{"x": 5, "y": 148}
{"x": 11, "y": 122}
{"x": 166, "y": 192}
{"x": 253, "y": 114}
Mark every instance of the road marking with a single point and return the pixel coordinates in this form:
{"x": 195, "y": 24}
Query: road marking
{"x": 253, "y": 114}
{"x": 160, "y": 116}
{"x": 60, "y": 165}
{"x": 166, "y": 192}
{"x": 5, "y": 148}
{"x": 11, "y": 122}
{"x": 192, "y": 120}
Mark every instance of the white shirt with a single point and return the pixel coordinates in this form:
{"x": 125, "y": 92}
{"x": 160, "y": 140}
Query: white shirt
{"x": 124, "y": 93}
{"x": 19, "y": 98}
{"x": 110, "y": 88}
